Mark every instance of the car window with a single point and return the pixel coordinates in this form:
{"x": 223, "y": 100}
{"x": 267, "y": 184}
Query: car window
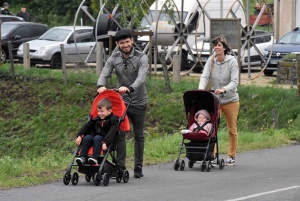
{"x": 10, "y": 19}
{"x": 6, "y": 28}
{"x": 37, "y": 30}
{"x": 297, "y": 39}
{"x": 56, "y": 34}
{"x": 21, "y": 31}
{"x": 83, "y": 31}
{"x": 291, "y": 37}
{"x": 82, "y": 38}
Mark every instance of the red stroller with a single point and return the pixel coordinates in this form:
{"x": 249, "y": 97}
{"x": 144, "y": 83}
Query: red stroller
{"x": 199, "y": 146}
{"x": 105, "y": 170}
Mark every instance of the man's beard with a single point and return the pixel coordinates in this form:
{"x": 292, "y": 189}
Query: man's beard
{"x": 125, "y": 52}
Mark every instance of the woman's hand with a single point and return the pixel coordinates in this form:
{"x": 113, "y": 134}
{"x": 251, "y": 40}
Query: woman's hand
{"x": 78, "y": 140}
{"x": 104, "y": 147}
{"x": 219, "y": 91}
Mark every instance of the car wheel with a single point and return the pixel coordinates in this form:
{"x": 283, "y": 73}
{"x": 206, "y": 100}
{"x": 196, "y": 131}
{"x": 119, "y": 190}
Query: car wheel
{"x": 268, "y": 72}
{"x": 4, "y": 56}
{"x": 56, "y": 61}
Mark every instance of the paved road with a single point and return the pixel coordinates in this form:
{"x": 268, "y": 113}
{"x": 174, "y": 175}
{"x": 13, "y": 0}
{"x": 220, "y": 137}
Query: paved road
{"x": 263, "y": 175}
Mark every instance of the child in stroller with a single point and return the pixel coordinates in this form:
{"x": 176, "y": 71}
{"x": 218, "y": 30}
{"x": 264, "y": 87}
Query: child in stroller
{"x": 101, "y": 129}
{"x": 200, "y": 137}
{"x": 104, "y": 123}
{"x": 201, "y": 125}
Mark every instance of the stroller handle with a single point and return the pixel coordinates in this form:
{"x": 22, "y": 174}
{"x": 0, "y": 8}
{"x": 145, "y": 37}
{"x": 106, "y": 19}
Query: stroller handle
{"x": 127, "y": 92}
{"x": 221, "y": 94}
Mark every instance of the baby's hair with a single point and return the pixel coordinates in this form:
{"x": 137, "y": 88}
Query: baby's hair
{"x": 104, "y": 103}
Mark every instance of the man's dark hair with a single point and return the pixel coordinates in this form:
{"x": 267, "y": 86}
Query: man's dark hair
{"x": 104, "y": 103}
{"x": 123, "y": 34}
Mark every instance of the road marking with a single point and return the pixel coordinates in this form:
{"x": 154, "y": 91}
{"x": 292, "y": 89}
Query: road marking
{"x": 265, "y": 193}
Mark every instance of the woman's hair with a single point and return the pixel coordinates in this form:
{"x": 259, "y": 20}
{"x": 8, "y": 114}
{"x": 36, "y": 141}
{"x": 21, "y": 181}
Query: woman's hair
{"x": 104, "y": 103}
{"x": 223, "y": 40}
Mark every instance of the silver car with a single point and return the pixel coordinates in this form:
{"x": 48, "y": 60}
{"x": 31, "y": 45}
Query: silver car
{"x": 47, "y": 50}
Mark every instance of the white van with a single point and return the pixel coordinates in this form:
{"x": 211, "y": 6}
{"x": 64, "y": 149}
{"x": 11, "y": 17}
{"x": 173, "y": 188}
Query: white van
{"x": 192, "y": 11}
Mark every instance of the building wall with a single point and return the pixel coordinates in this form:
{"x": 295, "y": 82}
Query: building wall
{"x": 285, "y": 16}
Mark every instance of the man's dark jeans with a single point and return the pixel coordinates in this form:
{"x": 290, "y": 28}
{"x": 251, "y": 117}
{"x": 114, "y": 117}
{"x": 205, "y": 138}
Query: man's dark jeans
{"x": 137, "y": 115}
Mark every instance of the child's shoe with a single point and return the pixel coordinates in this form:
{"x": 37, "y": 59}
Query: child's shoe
{"x": 93, "y": 161}
{"x": 80, "y": 160}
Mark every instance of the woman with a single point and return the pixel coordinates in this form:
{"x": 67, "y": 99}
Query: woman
{"x": 222, "y": 71}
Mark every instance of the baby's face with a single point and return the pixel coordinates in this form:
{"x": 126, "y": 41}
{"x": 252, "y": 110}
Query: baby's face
{"x": 201, "y": 118}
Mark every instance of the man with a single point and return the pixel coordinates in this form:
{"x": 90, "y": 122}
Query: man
{"x": 131, "y": 67}
{"x": 24, "y": 14}
{"x": 4, "y": 10}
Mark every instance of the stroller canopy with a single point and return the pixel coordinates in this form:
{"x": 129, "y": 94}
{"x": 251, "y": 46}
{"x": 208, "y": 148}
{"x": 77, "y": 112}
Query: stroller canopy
{"x": 118, "y": 107}
{"x": 200, "y": 99}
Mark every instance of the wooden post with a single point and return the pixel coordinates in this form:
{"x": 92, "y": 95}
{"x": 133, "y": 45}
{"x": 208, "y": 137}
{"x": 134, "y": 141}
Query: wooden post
{"x": 150, "y": 54}
{"x": 63, "y": 63}
{"x": 298, "y": 72}
{"x": 26, "y": 56}
{"x": 176, "y": 68}
{"x": 99, "y": 58}
{"x": 11, "y": 59}
{"x": 166, "y": 75}
{"x": 0, "y": 45}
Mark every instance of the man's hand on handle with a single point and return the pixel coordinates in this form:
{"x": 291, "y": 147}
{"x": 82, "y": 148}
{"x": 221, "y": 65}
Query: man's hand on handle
{"x": 123, "y": 90}
{"x": 101, "y": 89}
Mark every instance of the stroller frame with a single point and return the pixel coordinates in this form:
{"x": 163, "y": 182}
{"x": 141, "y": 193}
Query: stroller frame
{"x": 196, "y": 146}
{"x": 98, "y": 172}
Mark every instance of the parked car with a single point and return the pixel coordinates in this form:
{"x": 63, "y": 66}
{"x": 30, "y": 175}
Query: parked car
{"x": 18, "y": 33}
{"x": 10, "y": 18}
{"x": 289, "y": 43}
{"x": 261, "y": 42}
{"x": 47, "y": 50}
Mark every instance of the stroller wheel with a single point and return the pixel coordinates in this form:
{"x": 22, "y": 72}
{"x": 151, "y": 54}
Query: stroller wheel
{"x": 191, "y": 164}
{"x": 105, "y": 179}
{"x": 118, "y": 176}
{"x": 75, "y": 178}
{"x": 202, "y": 166}
{"x": 66, "y": 179}
{"x": 125, "y": 176}
{"x": 176, "y": 164}
{"x": 221, "y": 164}
{"x": 182, "y": 165}
{"x": 88, "y": 178}
{"x": 208, "y": 166}
{"x": 97, "y": 179}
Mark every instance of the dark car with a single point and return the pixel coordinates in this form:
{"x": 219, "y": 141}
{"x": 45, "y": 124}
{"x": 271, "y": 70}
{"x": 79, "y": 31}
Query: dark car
{"x": 289, "y": 43}
{"x": 18, "y": 33}
{"x": 10, "y": 18}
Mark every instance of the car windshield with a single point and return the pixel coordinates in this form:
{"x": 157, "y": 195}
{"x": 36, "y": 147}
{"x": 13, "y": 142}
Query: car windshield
{"x": 290, "y": 38}
{"x": 6, "y": 28}
{"x": 148, "y": 20}
{"x": 56, "y": 34}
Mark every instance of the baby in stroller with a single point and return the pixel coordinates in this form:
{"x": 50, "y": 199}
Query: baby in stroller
{"x": 101, "y": 129}
{"x": 202, "y": 124}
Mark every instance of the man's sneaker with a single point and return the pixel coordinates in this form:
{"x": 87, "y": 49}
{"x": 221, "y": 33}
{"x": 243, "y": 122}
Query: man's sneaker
{"x": 138, "y": 172}
{"x": 93, "y": 161}
{"x": 230, "y": 161}
{"x": 80, "y": 160}
{"x": 214, "y": 162}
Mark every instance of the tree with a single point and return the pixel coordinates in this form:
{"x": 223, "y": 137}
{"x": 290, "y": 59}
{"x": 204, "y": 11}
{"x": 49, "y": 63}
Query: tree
{"x": 131, "y": 11}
